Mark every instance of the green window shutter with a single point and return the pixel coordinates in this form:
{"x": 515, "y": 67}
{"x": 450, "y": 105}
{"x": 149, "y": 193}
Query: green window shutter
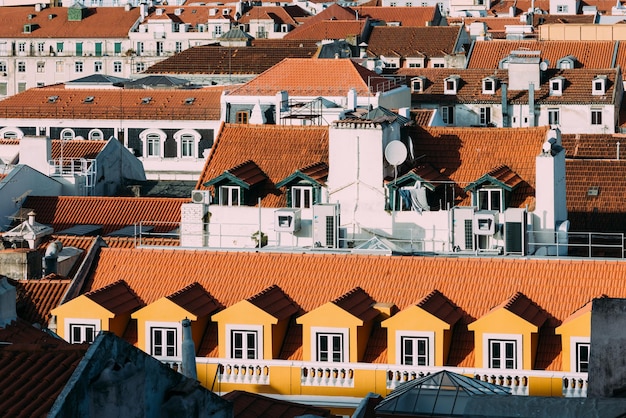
{"x": 118, "y": 48}
{"x": 98, "y": 49}
{"x": 59, "y": 46}
{"x": 79, "y": 49}
{"x": 288, "y": 196}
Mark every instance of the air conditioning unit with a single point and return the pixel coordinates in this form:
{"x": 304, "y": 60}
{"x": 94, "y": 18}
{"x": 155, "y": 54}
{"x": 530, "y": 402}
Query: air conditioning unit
{"x": 201, "y": 196}
{"x": 485, "y": 222}
{"x": 287, "y": 220}
{"x": 326, "y": 226}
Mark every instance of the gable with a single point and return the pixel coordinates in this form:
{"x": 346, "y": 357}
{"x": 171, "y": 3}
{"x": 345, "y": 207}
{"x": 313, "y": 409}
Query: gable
{"x": 329, "y": 315}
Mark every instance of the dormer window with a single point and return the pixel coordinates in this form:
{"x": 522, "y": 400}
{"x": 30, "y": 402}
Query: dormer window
{"x": 566, "y": 63}
{"x": 598, "y": 86}
{"x": 556, "y": 86}
{"x": 418, "y": 84}
{"x": 451, "y": 84}
{"x": 490, "y": 199}
{"x": 489, "y": 85}
{"x": 230, "y": 195}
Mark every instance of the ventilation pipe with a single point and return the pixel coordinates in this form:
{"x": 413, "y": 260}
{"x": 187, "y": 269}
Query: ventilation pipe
{"x": 531, "y": 105}
{"x": 505, "y": 105}
{"x": 52, "y": 254}
{"x": 189, "y": 352}
{"x": 31, "y": 218}
{"x": 8, "y": 296}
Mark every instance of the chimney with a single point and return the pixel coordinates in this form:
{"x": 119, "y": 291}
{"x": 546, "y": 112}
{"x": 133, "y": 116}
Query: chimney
{"x": 52, "y": 254}
{"x": 35, "y": 152}
{"x": 8, "y": 296}
{"x": 31, "y": 218}
{"x": 189, "y": 352}
{"x": 352, "y": 98}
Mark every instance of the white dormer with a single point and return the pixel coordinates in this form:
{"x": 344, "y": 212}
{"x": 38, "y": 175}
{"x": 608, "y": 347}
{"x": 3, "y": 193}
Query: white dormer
{"x": 566, "y": 63}
{"x": 490, "y": 84}
{"x": 159, "y": 12}
{"x": 451, "y": 84}
{"x": 556, "y": 86}
{"x": 598, "y": 85}
{"x": 418, "y": 84}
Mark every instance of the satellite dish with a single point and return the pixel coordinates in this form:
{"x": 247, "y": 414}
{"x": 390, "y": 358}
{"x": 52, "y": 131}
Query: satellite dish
{"x": 395, "y": 153}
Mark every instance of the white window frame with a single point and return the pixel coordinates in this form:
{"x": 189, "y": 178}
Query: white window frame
{"x": 159, "y": 48}
{"x": 3, "y": 66}
{"x": 450, "y": 85}
{"x": 227, "y": 199}
{"x": 244, "y": 328}
{"x": 298, "y": 194}
{"x": 140, "y": 48}
{"x": 596, "y": 116}
{"x": 427, "y": 335}
{"x": 41, "y": 47}
{"x": 67, "y": 134}
{"x": 447, "y": 115}
{"x": 41, "y": 66}
{"x": 21, "y": 47}
{"x": 485, "y": 115}
{"x": 158, "y": 325}
{"x": 556, "y": 87}
{"x": 575, "y": 343}
{"x": 417, "y": 84}
{"x": 97, "y": 67}
{"x": 183, "y": 134}
{"x": 117, "y": 66}
{"x": 21, "y": 67}
{"x": 486, "y": 88}
{"x": 554, "y": 116}
{"x": 144, "y": 139}
{"x": 490, "y": 191}
{"x": 598, "y": 86}
{"x": 562, "y": 8}
{"x": 82, "y": 322}
{"x": 179, "y": 47}
{"x": 317, "y": 332}
{"x": 489, "y": 338}
{"x": 78, "y": 67}
{"x": 96, "y": 135}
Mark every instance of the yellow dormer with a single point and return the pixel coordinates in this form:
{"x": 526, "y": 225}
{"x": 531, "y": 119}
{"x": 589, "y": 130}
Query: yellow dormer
{"x": 338, "y": 331}
{"x": 106, "y": 309}
{"x": 575, "y": 334}
{"x": 506, "y": 337}
{"x": 420, "y": 335}
{"x": 254, "y": 328}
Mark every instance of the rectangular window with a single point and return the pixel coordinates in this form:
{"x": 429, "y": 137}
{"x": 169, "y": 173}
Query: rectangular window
{"x": 78, "y": 66}
{"x": 488, "y": 86}
{"x": 244, "y": 344}
{"x": 154, "y": 146}
{"x": 447, "y": 113}
{"x": 179, "y": 47}
{"x": 3, "y": 89}
{"x": 218, "y": 30}
{"x": 596, "y": 116}
{"x": 21, "y": 86}
{"x": 582, "y": 357}
{"x": 561, "y": 9}
{"x": 41, "y": 47}
{"x": 469, "y": 235}
{"x": 140, "y": 67}
{"x": 21, "y": 47}
{"x": 59, "y": 66}
{"x": 59, "y": 47}
{"x": 242, "y": 117}
{"x": 502, "y": 354}
{"x": 415, "y": 351}
{"x": 117, "y": 48}
{"x": 554, "y": 116}
{"x": 97, "y": 67}
{"x": 82, "y": 333}
{"x": 230, "y": 196}
{"x": 186, "y": 146}
{"x": 490, "y": 199}
{"x": 117, "y": 67}
{"x": 163, "y": 342}
{"x": 301, "y": 197}
{"x": 438, "y": 65}
{"x": 21, "y": 67}
{"x": 330, "y": 347}
{"x": 3, "y": 67}
{"x": 79, "y": 49}
{"x": 485, "y": 115}
{"x": 159, "y": 48}
{"x": 41, "y": 66}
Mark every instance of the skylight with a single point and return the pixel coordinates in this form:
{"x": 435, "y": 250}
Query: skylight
{"x": 53, "y": 99}
{"x": 146, "y": 100}
{"x": 190, "y": 100}
{"x": 88, "y": 99}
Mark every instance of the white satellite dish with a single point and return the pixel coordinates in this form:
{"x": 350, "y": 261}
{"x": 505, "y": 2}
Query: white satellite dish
{"x": 395, "y": 153}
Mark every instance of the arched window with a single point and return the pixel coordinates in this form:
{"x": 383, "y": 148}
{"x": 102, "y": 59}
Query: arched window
{"x": 153, "y": 145}
{"x": 187, "y": 143}
{"x": 67, "y": 134}
{"x": 9, "y": 135}
{"x": 96, "y": 135}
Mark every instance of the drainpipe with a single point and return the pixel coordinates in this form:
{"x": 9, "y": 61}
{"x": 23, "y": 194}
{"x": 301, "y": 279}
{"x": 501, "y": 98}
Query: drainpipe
{"x": 505, "y": 105}
{"x": 189, "y": 352}
{"x": 531, "y": 105}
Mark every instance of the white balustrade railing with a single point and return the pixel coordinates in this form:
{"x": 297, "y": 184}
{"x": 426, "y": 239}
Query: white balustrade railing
{"x": 233, "y": 371}
{"x": 327, "y": 375}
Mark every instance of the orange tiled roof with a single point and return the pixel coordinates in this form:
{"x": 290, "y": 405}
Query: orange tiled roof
{"x": 238, "y": 143}
{"x": 117, "y": 298}
{"x": 547, "y": 19}
{"x": 36, "y": 298}
{"x": 422, "y": 117}
{"x": 480, "y": 150}
{"x": 519, "y": 6}
{"x": 217, "y": 59}
{"x": 332, "y": 12}
{"x": 275, "y": 302}
{"x": 405, "y": 41}
{"x": 620, "y": 58}
{"x": 593, "y": 146}
{"x": 590, "y": 54}
{"x": 358, "y": 303}
{"x": 248, "y": 404}
{"x": 99, "y": 23}
{"x": 279, "y": 14}
{"x": 311, "y": 77}
{"x": 437, "y": 304}
{"x": 77, "y": 149}
{"x": 495, "y": 25}
{"x": 328, "y": 29}
{"x": 195, "y": 299}
{"x": 407, "y": 16}
{"x": 192, "y": 15}
{"x": 61, "y": 212}
{"x": 70, "y": 104}
{"x": 525, "y": 308}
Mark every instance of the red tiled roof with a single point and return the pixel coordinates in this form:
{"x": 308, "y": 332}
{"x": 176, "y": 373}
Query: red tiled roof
{"x": 311, "y": 77}
{"x": 317, "y": 171}
{"x": 35, "y": 368}
{"x": 275, "y": 302}
{"x": 505, "y": 175}
{"x": 36, "y": 298}
{"x": 546, "y": 19}
{"x": 332, "y": 12}
{"x": 253, "y": 405}
{"x": 192, "y": 14}
{"x": 422, "y": 117}
{"x": 76, "y": 149}
{"x": 358, "y": 303}
{"x": 307, "y": 145}
{"x": 99, "y": 23}
{"x": 248, "y": 172}
{"x": 61, "y": 212}
{"x": 406, "y": 16}
{"x": 404, "y": 41}
{"x": 279, "y": 14}
{"x": 217, "y": 59}
{"x": 117, "y": 298}
{"x": 592, "y": 146}
{"x": 495, "y": 25}
{"x": 526, "y": 309}
{"x": 590, "y": 54}
{"x": 328, "y": 29}
{"x": 195, "y": 299}
{"x": 440, "y": 306}
{"x": 114, "y": 104}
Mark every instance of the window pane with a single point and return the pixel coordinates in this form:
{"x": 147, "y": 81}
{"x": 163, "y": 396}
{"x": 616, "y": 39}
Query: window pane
{"x": 89, "y": 334}
{"x": 483, "y": 200}
{"x": 495, "y": 200}
{"x": 76, "y": 334}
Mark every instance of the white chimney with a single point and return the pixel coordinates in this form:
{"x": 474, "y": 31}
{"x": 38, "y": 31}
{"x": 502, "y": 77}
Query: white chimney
{"x": 8, "y": 297}
{"x": 352, "y": 98}
{"x": 35, "y": 152}
{"x": 31, "y": 218}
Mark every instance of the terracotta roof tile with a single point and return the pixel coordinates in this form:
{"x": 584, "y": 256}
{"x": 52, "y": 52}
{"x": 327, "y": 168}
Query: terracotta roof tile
{"x": 317, "y": 171}
{"x": 99, "y": 23}
{"x": 547, "y": 19}
{"x": 166, "y": 104}
{"x": 441, "y": 307}
{"x": 406, "y": 16}
{"x": 275, "y": 302}
{"x": 216, "y": 59}
{"x": 328, "y": 29}
{"x": 248, "y": 172}
{"x": 506, "y": 176}
{"x": 590, "y": 54}
{"x": 405, "y": 41}
{"x": 592, "y": 146}
{"x": 291, "y": 15}
{"x": 195, "y": 299}
{"x": 253, "y": 405}
{"x": 526, "y": 309}
{"x": 496, "y": 25}
{"x": 76, "y": 149}
{"x": 36, "y": 298}
{"x": 292, "y": 343}
{"x": 208, "y": 346}
{"x": 112, "y": 213}
{"x": 192, "y": 14}
{"x": 313, "y": 78}
{"x": 237, "y": 143}
{"x": 117, "y": 298}
{"x": 376, "y": 350}
{"x": 358, "y": 303}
